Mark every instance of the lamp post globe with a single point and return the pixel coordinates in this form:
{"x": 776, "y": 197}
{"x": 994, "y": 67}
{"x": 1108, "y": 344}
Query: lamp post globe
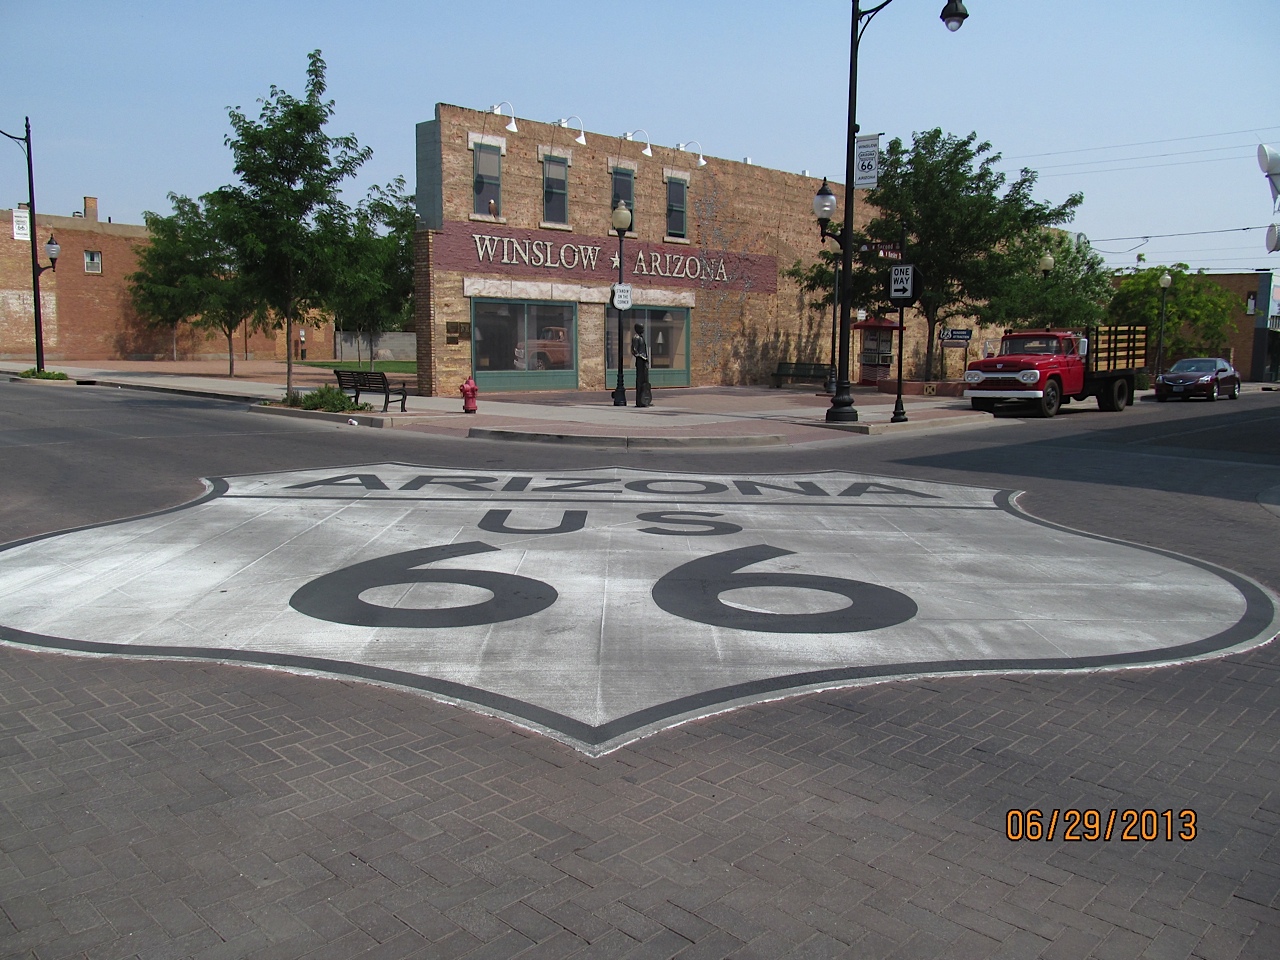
{"x": 954, "y": 15}
{"x": 53, "y": 250}
{"x": 1046, "y": 264}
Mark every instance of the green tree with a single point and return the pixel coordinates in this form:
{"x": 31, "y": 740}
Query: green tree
{"x": 372, "y": 262}
{"x": 1073, "y": 294}
{"x": 188, "y": 272}
{"x": 289, "y": 173}
{"x": 1198, "y": 317}
{"x": 969, "y": 240}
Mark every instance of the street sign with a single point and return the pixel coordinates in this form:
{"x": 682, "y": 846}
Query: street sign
{"x": 622, "y": 296}
{"x": 951, "y": 334}
{"x": 903, "y": 284}
{"x": 22, "y": 224}
{"x": 866, "y": 171}
{"x": 889, "y": 251}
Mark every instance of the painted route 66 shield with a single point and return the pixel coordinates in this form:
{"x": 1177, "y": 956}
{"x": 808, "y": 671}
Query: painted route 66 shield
{"x": 600, "y": 605}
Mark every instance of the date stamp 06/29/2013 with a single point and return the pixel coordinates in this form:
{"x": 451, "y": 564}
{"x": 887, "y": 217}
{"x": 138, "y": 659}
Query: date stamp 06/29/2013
{"x": 1089, "y": 824}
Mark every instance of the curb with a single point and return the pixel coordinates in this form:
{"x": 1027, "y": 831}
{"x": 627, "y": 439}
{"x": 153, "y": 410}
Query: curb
{"x": 343, "y": 419}
{"x": 639, "y": 443}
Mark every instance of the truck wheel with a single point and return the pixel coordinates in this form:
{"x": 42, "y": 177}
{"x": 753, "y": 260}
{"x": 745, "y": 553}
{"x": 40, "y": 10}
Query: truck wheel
{"x": 1114, "y": 396}
{"x": 1048, "y": 404}
{"x": 986, "y": 405}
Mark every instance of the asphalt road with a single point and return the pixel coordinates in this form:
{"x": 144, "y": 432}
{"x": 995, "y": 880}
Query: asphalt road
{"x": 170, "y": 809}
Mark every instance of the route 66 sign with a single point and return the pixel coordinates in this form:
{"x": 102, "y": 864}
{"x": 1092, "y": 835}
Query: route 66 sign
{"x": 599, "y": 606}
{"x": 622, "y": 296}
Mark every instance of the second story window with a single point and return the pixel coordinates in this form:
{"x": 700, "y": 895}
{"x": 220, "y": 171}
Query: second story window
{"x": 624, "y": 189}
{"x": 488, "y": 180}
{"x": 93, "y": 261}
{"x": 677, "y": 198}
{"x": 555, "y": 190}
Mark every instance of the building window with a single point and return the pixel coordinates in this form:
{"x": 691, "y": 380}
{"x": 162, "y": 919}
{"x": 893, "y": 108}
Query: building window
{"x": 555, "y": 190}
{"x": 488, "y": 180}
{"x": 666, "y": 329}
{"x": 93, "y": 261}
{"x": 624, "y": 189}
{"x": 514, "y": 335}
{"x": 677, "y": 196}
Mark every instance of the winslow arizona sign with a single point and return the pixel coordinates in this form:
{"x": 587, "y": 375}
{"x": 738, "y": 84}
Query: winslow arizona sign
{"x": 525, "y": 253}
{"x": 598, "y": 606}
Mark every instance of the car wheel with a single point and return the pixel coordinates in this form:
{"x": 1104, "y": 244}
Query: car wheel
{"x": 1214, "y": 392}
{"x": 1235, "y": 391}
{"x": 1051, "y": 401}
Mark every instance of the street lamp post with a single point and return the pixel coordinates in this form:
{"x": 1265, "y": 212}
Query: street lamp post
{"x": 899, "y": 412}
{"x": 1165, "y": 280}
{"x": 953, "y": 15}
{"x": 51, "y": 248}
{"x": 621, "y": 223}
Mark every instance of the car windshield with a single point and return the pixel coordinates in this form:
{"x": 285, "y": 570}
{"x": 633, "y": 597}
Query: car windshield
{"x": 1015, "y": 345}
{"x": 1194, "y": 366}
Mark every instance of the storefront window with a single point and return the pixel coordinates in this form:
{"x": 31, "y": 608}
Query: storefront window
{"x": 488, "y": 180}
{"x": 666, "y": 329}
{"x": 522, "y": 336}
{"x": 555, "y": 190}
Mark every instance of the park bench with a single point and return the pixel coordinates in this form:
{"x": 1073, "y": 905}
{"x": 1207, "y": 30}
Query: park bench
{"x": 793, "y": 371}
{"x": 353, "y": 381}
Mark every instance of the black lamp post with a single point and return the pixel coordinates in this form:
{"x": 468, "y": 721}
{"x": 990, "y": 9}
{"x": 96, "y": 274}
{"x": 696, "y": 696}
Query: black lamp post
{"x": 824, "y": 204}
{"x": 51, "y": 248}
{"x": 1165, "y": 280}
{"x": 621, "y": 224}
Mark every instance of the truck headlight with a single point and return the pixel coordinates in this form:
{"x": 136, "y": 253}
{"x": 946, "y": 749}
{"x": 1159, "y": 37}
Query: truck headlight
{"x": 1029, "y": 376}
{"x": 973, "y": 376}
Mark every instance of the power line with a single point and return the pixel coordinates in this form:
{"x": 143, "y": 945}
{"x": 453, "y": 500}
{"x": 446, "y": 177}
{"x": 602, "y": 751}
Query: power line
{"x": 1145, "y": 166}
{"x": 1165, "y": 236}
{"x": 1150, "y": 156}
{"x": 1144, "y": 143}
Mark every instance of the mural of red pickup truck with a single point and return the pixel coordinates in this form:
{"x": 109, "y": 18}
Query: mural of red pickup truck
{"x": 1048, "y": 368}
{"x": 553, "y": 350}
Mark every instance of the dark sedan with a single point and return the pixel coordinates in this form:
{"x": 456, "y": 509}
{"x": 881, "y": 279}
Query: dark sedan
{"x": 1208, "y": 377}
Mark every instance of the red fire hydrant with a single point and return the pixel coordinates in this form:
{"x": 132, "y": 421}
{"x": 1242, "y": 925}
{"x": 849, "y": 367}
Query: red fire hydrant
{"x": 469, "y": 392}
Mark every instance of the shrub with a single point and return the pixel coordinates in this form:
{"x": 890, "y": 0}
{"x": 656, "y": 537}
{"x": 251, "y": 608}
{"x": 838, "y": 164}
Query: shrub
{"x": 329, "y": 399}
{"x": 34, "y": 374}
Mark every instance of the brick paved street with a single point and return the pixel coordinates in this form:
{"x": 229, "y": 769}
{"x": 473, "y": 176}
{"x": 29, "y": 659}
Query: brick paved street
{"x": 175, "y": 809}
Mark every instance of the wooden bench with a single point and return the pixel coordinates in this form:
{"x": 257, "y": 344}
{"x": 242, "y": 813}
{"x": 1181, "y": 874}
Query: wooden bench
{"x": 793, "y": 371}
{"x": 353, "y": 381}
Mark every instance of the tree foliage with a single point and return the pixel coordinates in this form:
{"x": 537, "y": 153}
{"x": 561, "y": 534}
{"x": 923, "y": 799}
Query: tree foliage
{"x": 1074, "y": 294}
{"x": 287, "y": 198}
{"x": 372, "y": 262}
{"x": 188, "y": 272}
{"x": 968, "y": 233}
{"x": 1198, "y": 315}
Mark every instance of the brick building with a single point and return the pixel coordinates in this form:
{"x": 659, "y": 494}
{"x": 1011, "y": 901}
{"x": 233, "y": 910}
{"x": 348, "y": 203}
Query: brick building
{"x": 515, "y": 257}
{"x": 1255, "y": 342}
{"x": 86, "y": 310}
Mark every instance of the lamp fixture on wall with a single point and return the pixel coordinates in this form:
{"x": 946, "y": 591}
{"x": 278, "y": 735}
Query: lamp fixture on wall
{"x": 497, "y": 108}
{"x": 648, "y": 147}
{"x": 581, "y": 138}
{"x": 686, "y": 146}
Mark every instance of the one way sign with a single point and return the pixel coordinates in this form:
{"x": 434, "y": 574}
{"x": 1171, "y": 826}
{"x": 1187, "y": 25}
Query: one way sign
{"x": 903, "y": 284}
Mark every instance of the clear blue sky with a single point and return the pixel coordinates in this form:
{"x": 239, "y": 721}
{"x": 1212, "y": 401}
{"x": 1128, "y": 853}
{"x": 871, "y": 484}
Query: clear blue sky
{"x": 1153, "y": 109}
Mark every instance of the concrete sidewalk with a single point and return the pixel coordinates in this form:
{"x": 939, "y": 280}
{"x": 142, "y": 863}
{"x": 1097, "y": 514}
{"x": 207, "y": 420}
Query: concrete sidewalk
{"x": 691, "y": 416}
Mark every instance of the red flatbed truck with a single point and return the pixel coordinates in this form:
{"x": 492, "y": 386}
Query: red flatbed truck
{"x": 1051, "y": 367}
